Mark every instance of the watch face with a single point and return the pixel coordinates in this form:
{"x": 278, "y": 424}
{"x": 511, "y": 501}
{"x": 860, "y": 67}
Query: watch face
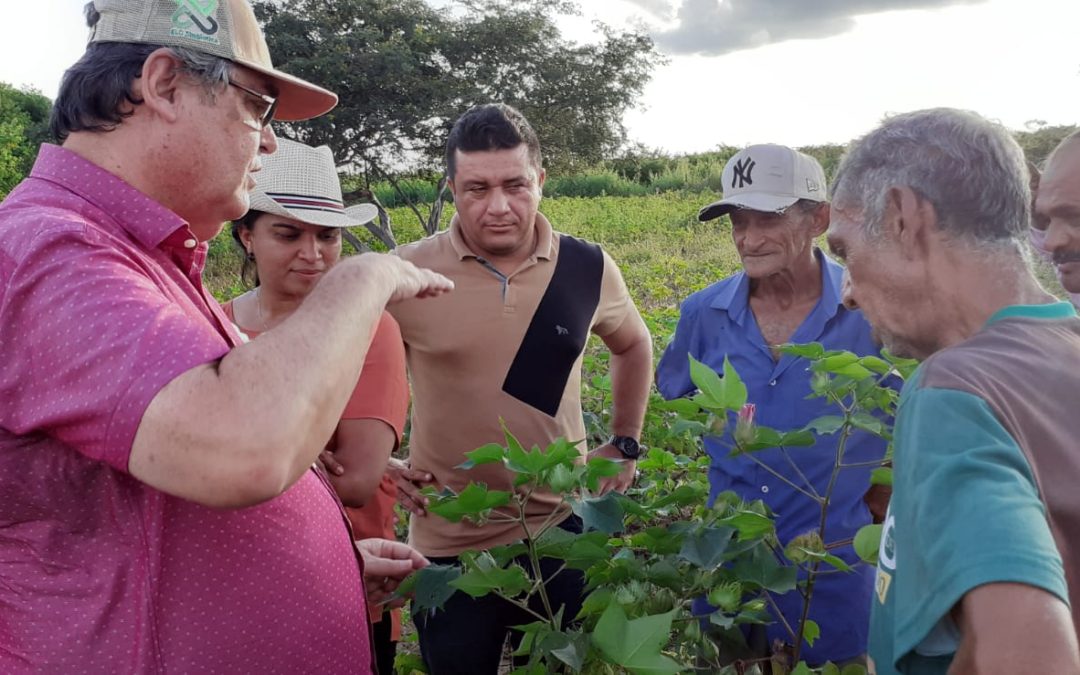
{"x": 627, "y": 446}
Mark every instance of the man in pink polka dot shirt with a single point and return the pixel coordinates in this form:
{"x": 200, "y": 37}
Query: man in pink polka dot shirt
{"x": 158, "y": 509}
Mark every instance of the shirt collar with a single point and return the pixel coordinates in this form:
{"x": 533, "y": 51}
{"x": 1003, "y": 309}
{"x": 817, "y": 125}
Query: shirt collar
{"x": 1052, "y": 310}
{"x": 545, "y": 240}
{"x": 147, "y": 221}
{"x": 735, "y": 298}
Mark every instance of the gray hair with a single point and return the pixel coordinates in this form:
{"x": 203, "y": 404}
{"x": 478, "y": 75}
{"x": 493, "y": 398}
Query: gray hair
{"x": 95, "y": 93}
{"x": 970, "y": 169}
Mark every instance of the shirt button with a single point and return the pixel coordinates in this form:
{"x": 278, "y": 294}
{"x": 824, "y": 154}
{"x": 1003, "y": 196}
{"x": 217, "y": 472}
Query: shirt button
{"x": 765, "y": 489}
{"x": 773, "y": 383}
{"x": 190, "y": 243}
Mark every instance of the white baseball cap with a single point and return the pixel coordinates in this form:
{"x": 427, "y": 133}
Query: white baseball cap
{"x": 767, "y": 177}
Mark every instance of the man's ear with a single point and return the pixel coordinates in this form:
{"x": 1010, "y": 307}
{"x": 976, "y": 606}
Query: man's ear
{"x": 910, "y": 220}
{"x": 159, "y": 84}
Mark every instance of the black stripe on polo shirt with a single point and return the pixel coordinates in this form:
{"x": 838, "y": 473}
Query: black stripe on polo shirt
{"x": 559, "y": 328}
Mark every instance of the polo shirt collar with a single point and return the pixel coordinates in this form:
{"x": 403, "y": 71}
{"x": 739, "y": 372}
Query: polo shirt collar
{"x": 735, "y": 298}
{"x": 545, "y": 239}
{"x": 1051, "y": 310}
{"x": 147, "y": 221}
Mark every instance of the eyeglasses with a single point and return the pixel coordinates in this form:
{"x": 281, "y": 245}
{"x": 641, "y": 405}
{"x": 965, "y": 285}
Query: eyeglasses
{"x": 271, "y": 102}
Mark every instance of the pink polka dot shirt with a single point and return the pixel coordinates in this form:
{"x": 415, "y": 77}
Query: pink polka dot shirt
{"x": 101, "y": 305}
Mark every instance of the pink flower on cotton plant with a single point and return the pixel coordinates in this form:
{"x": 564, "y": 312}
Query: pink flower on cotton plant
{"x": 745, "y": 431}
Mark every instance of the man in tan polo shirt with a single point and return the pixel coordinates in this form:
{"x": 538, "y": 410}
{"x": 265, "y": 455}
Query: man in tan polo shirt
{"x": 507, "y": 346}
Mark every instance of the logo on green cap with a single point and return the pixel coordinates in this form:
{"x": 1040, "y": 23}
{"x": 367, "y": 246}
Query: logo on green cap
{"x": 194, "y": 19}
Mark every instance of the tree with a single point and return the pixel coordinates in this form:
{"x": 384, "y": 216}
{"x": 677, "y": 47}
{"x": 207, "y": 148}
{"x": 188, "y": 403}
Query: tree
{"x": 1039, "y": 139}
{"x": 24, "y": 125}
{"x": 405, "y": 72}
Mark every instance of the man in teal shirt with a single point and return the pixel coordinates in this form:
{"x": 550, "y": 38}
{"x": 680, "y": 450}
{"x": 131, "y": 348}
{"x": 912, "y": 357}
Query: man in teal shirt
{"x": 979, "y": 543}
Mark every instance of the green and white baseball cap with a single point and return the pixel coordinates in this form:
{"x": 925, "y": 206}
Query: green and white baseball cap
{"x": 767, "y": 178}
{"x": 223, "y": 28}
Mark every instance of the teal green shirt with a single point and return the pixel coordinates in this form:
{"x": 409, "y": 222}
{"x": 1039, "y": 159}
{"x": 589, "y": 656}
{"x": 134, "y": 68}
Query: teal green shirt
{"x": 965, "y": 512}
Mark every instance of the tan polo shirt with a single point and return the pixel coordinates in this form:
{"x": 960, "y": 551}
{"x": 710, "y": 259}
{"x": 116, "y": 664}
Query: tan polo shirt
{"x": 476, "y": 356}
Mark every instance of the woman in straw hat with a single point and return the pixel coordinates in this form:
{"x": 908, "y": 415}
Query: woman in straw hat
{"x": 291, "y": 236}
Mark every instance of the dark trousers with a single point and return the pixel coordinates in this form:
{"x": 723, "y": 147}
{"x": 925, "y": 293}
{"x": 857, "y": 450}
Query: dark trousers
{"x": 385, "y": 648}
{"x": 467, "y": 635}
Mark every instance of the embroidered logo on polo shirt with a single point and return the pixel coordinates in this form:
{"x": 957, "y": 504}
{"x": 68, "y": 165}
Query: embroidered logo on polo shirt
{"x": 559, "y": 330}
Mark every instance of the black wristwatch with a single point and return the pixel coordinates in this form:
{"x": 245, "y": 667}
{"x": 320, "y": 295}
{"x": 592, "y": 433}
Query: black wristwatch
{"x": 627, "y": 445}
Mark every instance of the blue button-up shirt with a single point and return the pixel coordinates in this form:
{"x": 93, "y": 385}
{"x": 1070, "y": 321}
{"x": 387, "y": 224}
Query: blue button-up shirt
{"x": 718, "y": 322}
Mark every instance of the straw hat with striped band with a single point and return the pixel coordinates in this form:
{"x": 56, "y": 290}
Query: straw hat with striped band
{"x": 301, "y": 182}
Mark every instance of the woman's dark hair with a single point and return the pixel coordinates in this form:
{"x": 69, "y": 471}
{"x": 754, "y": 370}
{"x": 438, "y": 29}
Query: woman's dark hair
{"x": 492, "y": 126}
{"x": 249, "y": 273}
{"x": 96, "y": 93}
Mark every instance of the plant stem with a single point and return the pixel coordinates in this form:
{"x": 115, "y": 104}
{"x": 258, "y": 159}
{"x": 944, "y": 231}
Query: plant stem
{"x": 795, "y": 466}
{"x": 780, "y": 615}
{"x": 862, "y": 465}
{"x": 783, "y": 478}
{"x": 811, "y": 575}
{"x": 534, "y": 560}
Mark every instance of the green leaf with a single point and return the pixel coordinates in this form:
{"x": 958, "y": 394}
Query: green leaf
{"x": 604, "y": 513}
{"x": 474, "y": 502}
{"x": 879, "y": 366}
{"x": 682, "y": 406}
{"x": 795, "y": 439}
{"x": 635, "y": 644}
{"x": 868, "y": 542}
{"x": 512, "y": 442}
{"x": 761, "y": 568}
{"x": 827, "y": 424}
{"x": 658, "y": 540}
{"x": 727, "y": 392}
{"x": 734, "y": 389}
{"x": 657, "y": 460}
{"x": 836, "y": 561}
{"x": 683, "y": 495}
{"x": 835, "y": 363}
{"x": 408, "y": 664}
{"x": 870, "y": 423}
{"x": 802, "y": 669}
{"x": 664, "y": 574}
{"x": 561, "y": 479}
{"x": 751, "y": 525}
{"x": 810, "y": 350}
{"x": 587, "y": 550}
{"x": 811, "y": 632}
{"x": 486, "y": 454}
{"x": 705, "y": 547}
{"x": 430, "y": 586}
{"x": 854, "y": 371}
{"x": 830, "y": 668}
{"x": 483, "y": 579}
{"x": 881, "y": 476}
{"x": 574, "y": 651}
{"x": 600, "y": 467}
{"x": 854, "y": 669}
{"x": 596, "y": 602}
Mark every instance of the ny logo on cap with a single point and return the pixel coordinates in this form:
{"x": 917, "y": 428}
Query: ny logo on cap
{"x": 744, "y": 172}
{"x": 198, "y": 14}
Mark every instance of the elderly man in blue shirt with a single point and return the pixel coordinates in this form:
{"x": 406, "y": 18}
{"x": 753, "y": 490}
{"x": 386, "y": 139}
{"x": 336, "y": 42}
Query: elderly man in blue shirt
{"x": 788, "y": 291}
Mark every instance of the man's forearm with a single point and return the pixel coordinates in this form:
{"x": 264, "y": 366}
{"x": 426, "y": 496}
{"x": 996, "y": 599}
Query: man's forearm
{"x": 631, "y": 379}
{"x": 243, "y": 430}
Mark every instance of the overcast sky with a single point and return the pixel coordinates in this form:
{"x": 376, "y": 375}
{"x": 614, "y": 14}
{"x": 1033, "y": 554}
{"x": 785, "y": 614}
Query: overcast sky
{"x": 750, "y": 71}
